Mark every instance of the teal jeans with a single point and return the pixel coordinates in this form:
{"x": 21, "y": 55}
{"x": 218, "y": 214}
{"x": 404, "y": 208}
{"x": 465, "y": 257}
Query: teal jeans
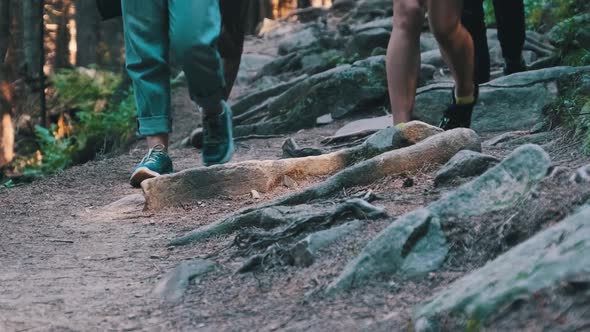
{"x": 190, "y": 29}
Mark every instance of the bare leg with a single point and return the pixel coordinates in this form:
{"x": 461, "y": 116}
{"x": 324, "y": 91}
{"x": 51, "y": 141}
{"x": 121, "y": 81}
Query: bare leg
{"x": 403, "y": 57}
{"x": 158, "y": 139}
{"x": 455, "y": 42}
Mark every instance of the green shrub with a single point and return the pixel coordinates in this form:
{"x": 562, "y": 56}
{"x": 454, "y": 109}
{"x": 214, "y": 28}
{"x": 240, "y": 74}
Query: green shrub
{"x": 98, "y": 123}
{"x": 572, "y": 111}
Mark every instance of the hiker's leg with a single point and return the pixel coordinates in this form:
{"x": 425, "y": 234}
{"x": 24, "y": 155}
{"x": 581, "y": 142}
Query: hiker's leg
{"x": 146, "y": 53}
{"x": 194, "y": 30}
{"x": 231, "y": 41}
{"x": 510, "y": 18}
{"x": 473, "y": 19}
{"x": 455, "y": 42}
{"x": 195, "y": 26}
{"x": 146, "y": 46}
{"x": 403, "y": 57}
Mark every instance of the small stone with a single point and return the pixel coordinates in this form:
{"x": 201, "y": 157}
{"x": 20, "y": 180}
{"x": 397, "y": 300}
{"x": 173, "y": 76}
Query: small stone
{"x": 289, "y": 182}
{"x": 582, "y": 175}
{"x": 325, "y": 119}
{"x": 408, "y": 183}
{"x": 560, "y": 174}
{"x": 255, "y": 194}
{"x": 465, "y": 164}
{"x": 292, "y": 150}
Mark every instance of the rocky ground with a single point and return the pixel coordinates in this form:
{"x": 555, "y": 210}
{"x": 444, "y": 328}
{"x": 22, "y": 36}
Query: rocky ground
{"x": 326, "y": 218}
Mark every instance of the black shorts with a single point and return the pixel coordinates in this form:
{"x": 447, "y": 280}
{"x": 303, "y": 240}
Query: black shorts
{"x": 234, "y": 14}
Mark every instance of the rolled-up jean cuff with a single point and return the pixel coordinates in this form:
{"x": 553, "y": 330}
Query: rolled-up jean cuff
{"x": 154, "y": 125}
{"x": 212, "y": 101}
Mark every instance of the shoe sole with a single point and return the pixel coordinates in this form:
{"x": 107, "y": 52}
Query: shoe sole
{"x": 225, "y": 159}
{"x": 141, "y": 174}
{"x": 230, "y": 152}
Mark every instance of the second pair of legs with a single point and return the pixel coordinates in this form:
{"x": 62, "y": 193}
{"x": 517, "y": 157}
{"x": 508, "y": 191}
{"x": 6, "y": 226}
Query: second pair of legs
{"x": 403, "y": 58}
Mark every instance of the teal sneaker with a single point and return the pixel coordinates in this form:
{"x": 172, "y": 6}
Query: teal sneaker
{"x": 218, "y": 137}
{"x": 155, "y": 163}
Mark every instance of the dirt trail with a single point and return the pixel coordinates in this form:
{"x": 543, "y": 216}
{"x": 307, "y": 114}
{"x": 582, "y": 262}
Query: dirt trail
{"x": 64, "y": 269}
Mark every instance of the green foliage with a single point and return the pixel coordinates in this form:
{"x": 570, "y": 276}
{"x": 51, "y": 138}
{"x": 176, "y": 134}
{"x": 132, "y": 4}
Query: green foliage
{"x": 542, "y": 12}
{"x": 472, "y": 325}
{"x": 489, "y": 13}
{"x": 56, "y": 154}
{"x": 572, "y": 111}
{"x": 568, "y": 35}
{"x": 95, "y": 126}
{"x": 8, "y": 184}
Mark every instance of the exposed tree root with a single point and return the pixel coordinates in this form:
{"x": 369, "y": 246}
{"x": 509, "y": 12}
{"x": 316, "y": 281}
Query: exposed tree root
{"x": 275, "y": 216}
{"x": 434, "y": 150}
{"x": 262, "y": 176}
{"x": 280, "y": 247}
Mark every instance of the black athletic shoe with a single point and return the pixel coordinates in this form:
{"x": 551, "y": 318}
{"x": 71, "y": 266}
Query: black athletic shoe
{"x": 514, "y": 66}
{"x": 458, "y": 116}
{"x": 218, "y": 138}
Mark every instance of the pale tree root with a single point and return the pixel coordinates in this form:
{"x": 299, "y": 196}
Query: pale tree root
{"x": 241, "y": 178}
{"x": 281, "y": 246}
{"x": 435, "y": 150}
{"x": 274, "y": 216}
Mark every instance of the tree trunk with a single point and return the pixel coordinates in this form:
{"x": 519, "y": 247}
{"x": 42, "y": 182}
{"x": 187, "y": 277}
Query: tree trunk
{"x": 255, "y": 13}
{"x": 87, "y": 29}
{"x": 33, "y": 39}
{"x": 33, "y": 46}
{"x": 111, "y": 45}
{"x": 62, "y": 39}
{"x": 6, "y": 89}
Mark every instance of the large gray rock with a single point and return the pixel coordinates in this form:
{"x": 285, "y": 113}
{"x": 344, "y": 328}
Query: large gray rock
{"x": 245, "y": 102}
{"x": 537, "y": 76}
{"x": 428, "y": 42}
{"x": 514, "y": 102}
{"x": 363, "y": 43}
{"x": 550, "y": 258}
{"x": 433, "y": 58}
{"x": 499, "y": 109}
{"x": 298, "y": 40}
{"x": 584, "y": 88}
{"x": 416, "y": 244}
{"x": 499, "y": 188}
{"x": 339, "y": 91}
{"x": 251, "y": 64}
{"x": 463, "y": 165}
